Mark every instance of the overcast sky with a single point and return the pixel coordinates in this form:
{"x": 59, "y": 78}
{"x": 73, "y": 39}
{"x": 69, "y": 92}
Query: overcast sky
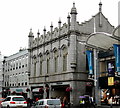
{"x": 18, "y": 16}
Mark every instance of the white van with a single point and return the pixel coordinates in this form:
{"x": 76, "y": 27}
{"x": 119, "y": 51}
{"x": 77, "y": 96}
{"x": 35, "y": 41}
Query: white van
{"x": 48, "y": 103}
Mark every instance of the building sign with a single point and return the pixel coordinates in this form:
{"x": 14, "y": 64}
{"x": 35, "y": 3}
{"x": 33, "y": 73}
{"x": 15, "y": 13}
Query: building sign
{"x": 111, "y": 70}
{"x": 90, "y": 61}
{"x": 117, "y": 57}
{"x": 89, "y": 84}
{"x": 110, "y": 81}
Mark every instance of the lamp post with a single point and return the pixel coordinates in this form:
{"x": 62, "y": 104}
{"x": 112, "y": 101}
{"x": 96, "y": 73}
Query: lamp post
{"x": 96, "y": 76}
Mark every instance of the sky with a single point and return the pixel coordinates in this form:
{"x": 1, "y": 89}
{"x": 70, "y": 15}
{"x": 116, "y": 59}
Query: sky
{"x": 17, "y": 17}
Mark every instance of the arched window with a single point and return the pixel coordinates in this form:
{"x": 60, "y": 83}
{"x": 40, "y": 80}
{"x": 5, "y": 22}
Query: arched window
{"x": 48, "y": 65}
{"x": 64, "y": 55}
{"x": 41, "y": 64}
{"x": 56, "y": 60}
{"x": 35, "y": 63}
{"x": 48, "y": 62}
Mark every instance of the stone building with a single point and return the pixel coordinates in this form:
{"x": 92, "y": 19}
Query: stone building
{"x": 15, "y": 72}
{"x": 57, "y": 60}
{"x": 1, "y": 74}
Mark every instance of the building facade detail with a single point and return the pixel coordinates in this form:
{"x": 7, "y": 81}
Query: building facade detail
{"x": 57, "y": 60}
{"x": 1, "y": 74}
{"x": 15, "y": 69}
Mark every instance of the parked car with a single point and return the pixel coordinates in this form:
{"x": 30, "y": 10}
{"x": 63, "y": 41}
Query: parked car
{"x": 14, "y": 102}
{"x": 48, "y": 103}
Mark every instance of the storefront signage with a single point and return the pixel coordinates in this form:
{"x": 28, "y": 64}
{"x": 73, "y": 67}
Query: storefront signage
{"x": 90, "y": 61}
{"x": 110, "y": 81}
{"x": 59, "y": 83}
{"x": 90, "y": 84}
{"x": 111, "y": 70}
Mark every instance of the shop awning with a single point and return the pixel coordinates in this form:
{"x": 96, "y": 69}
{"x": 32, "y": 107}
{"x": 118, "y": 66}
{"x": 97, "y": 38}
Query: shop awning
{"x": 101, "y": 40}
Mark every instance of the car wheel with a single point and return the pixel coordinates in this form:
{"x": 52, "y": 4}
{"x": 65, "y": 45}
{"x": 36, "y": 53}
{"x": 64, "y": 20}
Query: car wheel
{"x": 8, "y": 106}
{"x": 1, "y": 106}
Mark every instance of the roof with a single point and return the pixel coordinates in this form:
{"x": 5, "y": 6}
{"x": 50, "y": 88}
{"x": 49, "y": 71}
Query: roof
{"x": 101, "y": 40}
{"x": 116, "y": 31}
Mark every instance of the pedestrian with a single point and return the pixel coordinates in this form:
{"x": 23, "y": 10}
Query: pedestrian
{"x": 36, "y": 99}
{"x": 82, "y": 103}
{"x": 91, "y": 101}
{"x": 28, "y": 102}
{"x": 65, "y": 104}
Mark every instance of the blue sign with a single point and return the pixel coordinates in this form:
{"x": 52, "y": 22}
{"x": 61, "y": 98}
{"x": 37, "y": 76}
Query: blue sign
{"x": 90, "y": 61}
{"x": 117, "y": 56}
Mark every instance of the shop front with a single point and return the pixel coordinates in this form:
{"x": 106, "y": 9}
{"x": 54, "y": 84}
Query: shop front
{"x": 51, "y": 91}
{"x": 18, "y": 91}
{"x": 110, "y": 88}
{"x": 60, "y": 91}
{"x": 90, "y": 87}
{"x": 37, "y": 93}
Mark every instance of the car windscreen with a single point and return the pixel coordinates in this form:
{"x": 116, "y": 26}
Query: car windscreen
{"x": 18, "y": 99}
{"x": 2, "y": 99}
{"x": 53, "y": 102}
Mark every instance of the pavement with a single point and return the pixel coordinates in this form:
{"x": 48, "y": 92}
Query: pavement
{"x": 102, "y": 106}
{"x": 107, "y": 106}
